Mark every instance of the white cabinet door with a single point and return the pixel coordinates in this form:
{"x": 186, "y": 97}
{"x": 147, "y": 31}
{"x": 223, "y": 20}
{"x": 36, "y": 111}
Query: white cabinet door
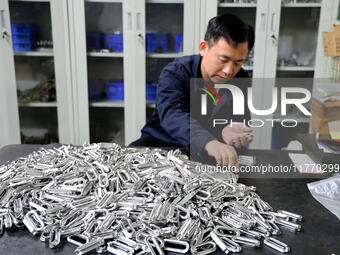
{"x": 40, "y": 92}
{"x": 100, "y": 83}
{"x": 294, "y": 49}
{"x": 9, "y": 117}
{"x": 134, "y": 13}
{"x": 168, "y": 30}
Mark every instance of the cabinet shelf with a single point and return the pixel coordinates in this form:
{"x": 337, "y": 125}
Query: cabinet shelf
{"x": 248, "y": 68}
{"x": 164, "y": 55}
{"x": 40, "y": 1}
{"x": 106, "y": 55}
{"x": 295, "y": 68}
{"x": 107, "y": 103}
{"x": 34, "y": 53}
{"x": 103, "y": 1}
{"x": 164, "y": 1}
{"x": 304, "y": 5}
{"x": 38, "y": 104}
{"x": 238, "y": 5}
{"x": 150, "y": 104}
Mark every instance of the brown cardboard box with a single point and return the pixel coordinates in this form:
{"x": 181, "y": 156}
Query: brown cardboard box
{"x": 322, "y": 113}
{"x": 331, "y": 42}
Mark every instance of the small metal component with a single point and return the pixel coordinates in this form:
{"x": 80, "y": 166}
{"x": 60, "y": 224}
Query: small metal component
{"x": 33, "y": 222}
{"x": 154, "y": 246}
{"x": 2, "y": 226}
{"x": 219, "y": 242}
{"x": 119, "y": 249}
{"x": 276, "y": 245}
{"x": 291, "y": 215}
{"x": 247, "y": 241}
{"x": 180, "y": 246}
{"x": 288, "y": 224}
{"x": 90, "y": 246}
{"x": 203, "y": 248}
{"x": 231, "y": 245}
{"x": 78, "y": 239}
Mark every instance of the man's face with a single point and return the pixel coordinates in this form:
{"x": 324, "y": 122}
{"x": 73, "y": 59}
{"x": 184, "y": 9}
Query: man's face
{"x": 222, "y": 61}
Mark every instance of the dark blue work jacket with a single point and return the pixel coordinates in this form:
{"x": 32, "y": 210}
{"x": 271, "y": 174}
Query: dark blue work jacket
{"x": 172, "y": 120}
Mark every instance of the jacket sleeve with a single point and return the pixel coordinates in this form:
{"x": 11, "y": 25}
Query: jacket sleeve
{"x": 173, "y": 104}
{"x": 226, "y": 112}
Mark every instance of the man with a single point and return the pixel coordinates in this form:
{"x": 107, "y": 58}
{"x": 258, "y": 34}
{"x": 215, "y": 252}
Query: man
{"x": 226, "y": 45}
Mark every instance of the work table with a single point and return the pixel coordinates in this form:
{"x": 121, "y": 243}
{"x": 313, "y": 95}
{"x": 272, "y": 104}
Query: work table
{"x": 320, "y": 228}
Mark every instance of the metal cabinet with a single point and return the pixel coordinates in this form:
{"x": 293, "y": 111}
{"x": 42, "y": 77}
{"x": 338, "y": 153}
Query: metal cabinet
{"x": 98, "y": 68}
{"x": 294, "y": 49}
{"x": 149, "y": 30}
{"x": 35, "y": 84}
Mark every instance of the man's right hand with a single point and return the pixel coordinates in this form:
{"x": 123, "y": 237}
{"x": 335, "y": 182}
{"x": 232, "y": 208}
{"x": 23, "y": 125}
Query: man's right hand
{"x": 224, "y": 154}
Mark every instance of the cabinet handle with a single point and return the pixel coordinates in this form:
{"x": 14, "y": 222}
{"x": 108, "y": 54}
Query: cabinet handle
{"x": 4, "y": 35}
{"x": 263, "y": 22}
{"x": 274, "y": 40}
{"x": 273, "y": 23}
{"x": 139, "y": 20}
{"x": 129, "y": 20}
{"x": 2, "y": 18}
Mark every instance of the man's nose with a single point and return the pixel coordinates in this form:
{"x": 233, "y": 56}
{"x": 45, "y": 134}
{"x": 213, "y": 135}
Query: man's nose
{"x": 228, "y": 69}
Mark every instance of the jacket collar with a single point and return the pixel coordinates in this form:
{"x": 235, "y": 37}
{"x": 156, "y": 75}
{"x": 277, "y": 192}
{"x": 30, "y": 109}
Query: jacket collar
{"x": 197, "y": 66}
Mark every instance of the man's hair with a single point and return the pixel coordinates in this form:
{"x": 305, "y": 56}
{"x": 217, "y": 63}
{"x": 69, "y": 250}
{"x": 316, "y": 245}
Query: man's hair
{"x": 231, "y": 28}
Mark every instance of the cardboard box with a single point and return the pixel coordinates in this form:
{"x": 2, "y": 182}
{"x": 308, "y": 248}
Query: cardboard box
{"x": 331, "y": 42}
{"x": 322, "y": 113}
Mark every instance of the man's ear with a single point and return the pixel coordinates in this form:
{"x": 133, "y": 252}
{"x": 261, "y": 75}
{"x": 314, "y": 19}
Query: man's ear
{"x": 204, "y": 48}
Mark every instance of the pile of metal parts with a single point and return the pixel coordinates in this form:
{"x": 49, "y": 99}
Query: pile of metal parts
{"x": 102, "y": 197}
{"x": 47, "y": 138}
{"x": 43, "y": 92}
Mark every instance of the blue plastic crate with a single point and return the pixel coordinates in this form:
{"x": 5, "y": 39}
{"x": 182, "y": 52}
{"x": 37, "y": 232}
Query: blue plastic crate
{"x": 179, "y": 42}
{"x": 95, "y": 91}
{"x": 26, "y": 46}
{"x": 157, "y": 43}
{"x": 93, "y": 40}
{"x": 24, "y": 29}
{"x": 151, "y": 91}
{"x": 24, "y": 38}
{"x": 115, "y": 90}
{"x": 114, "y": 42}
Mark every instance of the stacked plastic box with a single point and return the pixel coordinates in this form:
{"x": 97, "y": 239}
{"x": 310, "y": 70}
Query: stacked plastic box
{"x": 113, "y": 42}
{"x": 179, "y": 43}
{"x": 95, "y": 91}
{"x": 24, "y": 36}
{"x": 115, "y": 90}
{"x": 97, "y": 41}
{"x": 151, "y": 91}
{"x": 93, "y": 41}
{"x": 157, "y": 43}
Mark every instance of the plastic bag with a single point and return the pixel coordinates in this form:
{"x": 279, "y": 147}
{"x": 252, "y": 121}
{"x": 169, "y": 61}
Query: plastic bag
{"x": 327, "y": 192}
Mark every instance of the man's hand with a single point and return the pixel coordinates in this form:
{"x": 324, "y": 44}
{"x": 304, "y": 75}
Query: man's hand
{"x": 235, "y": 135}
{"x": 224, "y": 154}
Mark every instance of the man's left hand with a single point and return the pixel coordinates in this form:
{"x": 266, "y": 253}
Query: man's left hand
{"x": 236, "y": 135}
